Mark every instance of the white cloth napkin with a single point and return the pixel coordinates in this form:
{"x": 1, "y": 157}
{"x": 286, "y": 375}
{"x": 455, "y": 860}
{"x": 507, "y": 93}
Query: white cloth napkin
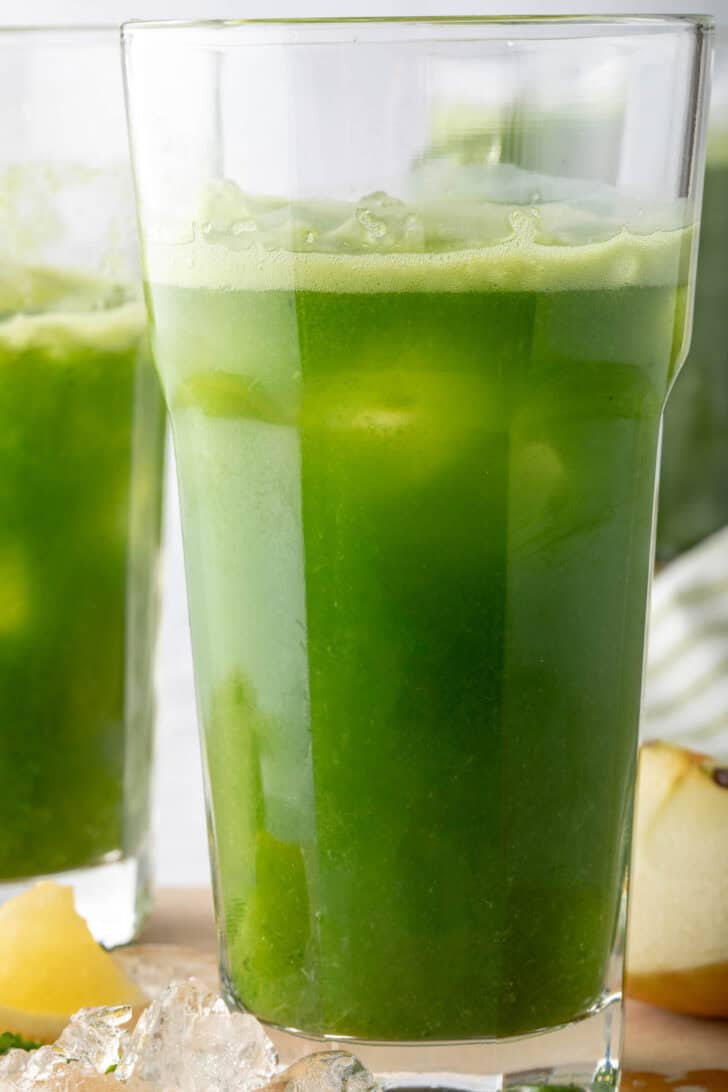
{"x": 686, "y": 692}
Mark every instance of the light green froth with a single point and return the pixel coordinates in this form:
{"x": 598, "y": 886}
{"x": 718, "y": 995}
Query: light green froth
{"x": 43, "y": 288}
{"x": 60, "y": 333}
{"x": 520, "y": 264}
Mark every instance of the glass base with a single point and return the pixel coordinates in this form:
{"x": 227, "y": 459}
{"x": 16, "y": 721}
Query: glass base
{"x": 113, "y": 896}
{"x": 582, "y": 1055}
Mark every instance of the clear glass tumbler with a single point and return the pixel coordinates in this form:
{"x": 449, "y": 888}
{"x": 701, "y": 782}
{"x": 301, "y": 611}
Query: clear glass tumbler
{"x": 693, "y": 499}
{"x": 81, "y": 456}
{"x": 418, "y": 291}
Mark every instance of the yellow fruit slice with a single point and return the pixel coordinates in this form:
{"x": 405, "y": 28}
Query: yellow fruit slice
{"x": 51, "y": 965}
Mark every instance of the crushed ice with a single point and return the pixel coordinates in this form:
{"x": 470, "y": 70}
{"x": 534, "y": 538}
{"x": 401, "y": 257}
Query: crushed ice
{"x": 187, "y": 1040}
{"x": 330, "y": 1071}
{"x": 443, "y": 206}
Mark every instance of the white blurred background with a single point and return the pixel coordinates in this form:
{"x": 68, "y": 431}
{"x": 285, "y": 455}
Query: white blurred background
{"x": 31, "y": 12}
{"x": 179, "y": 826}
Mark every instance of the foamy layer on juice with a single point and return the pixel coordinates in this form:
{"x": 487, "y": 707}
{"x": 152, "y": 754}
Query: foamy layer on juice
{"x": 58, "y": 313}
{"x": 459, "y": 244}
{"x": 61, "y": 334}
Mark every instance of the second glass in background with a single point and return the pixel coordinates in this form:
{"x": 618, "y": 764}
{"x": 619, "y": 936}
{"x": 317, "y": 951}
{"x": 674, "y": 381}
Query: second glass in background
{"x": 81, "y": 463}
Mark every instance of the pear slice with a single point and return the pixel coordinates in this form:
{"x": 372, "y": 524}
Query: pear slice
{"x": 677, "y": 944}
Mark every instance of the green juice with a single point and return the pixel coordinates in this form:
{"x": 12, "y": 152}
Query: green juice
{"x": 417, "y": 495}
{"x": 694, "y": 475}
{"x": 81, "y": 444}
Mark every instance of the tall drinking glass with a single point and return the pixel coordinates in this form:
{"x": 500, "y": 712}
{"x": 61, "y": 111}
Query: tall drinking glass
{"x": 81, "y": 451}
{"x": 693, "y": 499}
{"x": 416, "y": 391}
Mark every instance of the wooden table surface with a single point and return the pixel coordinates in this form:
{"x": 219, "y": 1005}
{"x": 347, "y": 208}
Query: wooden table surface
{"x": 693, "y": 1053}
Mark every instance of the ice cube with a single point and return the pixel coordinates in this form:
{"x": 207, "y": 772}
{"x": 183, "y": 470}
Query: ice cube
{"x": 90, "y": 1045}
{"x": 381, "y": 223}
{"x": 48, "y": 1068}
{"x": 223, "y": 204}
{"x": 95, "y": 1037}
{"x": 330, "y": 1071}
{"x": 188, "y": 1040}
{"x": 22, "y": 1070}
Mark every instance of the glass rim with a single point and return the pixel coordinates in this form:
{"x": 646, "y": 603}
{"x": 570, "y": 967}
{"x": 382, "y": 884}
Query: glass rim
{"x": 59, "y": 30}
{"x": 646, "y": 22}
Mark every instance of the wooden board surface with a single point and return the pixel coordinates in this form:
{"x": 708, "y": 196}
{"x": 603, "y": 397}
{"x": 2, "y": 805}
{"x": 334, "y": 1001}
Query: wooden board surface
{"x": 656, "y": 1041}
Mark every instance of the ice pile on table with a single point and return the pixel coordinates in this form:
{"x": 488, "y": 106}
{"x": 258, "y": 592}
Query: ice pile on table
{"x": 187, "y": 1040}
